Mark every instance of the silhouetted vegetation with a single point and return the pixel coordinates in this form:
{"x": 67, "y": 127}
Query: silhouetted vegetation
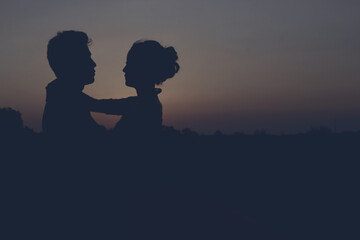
{"x": 10, "y": 122}
{"x": 181, "y": 185}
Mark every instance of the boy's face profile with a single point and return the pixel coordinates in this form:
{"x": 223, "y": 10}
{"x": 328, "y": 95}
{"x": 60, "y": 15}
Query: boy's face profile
{"x": 81, "y": 67}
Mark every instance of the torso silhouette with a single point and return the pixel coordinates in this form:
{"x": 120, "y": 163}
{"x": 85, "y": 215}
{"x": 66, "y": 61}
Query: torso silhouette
{"x": 144, "y": 119}
{"x": 67, "y": 112}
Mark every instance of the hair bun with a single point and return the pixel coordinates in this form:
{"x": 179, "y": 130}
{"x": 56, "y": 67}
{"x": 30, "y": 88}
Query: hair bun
{"x": 171, "y": 54}
{"x": 173, "y": 65}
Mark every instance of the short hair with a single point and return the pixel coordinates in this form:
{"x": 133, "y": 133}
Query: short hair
{"x": 62, "y": 48}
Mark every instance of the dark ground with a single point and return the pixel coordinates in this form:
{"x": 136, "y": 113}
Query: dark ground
{"x": 184, "y": 186}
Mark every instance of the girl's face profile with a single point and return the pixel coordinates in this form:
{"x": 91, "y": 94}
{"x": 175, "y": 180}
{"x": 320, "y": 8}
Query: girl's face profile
{"x": 130, "y": 75}
{"x": 136, "y": 70}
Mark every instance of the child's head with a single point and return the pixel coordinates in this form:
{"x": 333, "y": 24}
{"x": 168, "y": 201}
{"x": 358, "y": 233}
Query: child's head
{"x": 149, "y": 64}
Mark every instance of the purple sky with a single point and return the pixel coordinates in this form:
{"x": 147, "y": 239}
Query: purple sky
{"x": 284, "y": 66}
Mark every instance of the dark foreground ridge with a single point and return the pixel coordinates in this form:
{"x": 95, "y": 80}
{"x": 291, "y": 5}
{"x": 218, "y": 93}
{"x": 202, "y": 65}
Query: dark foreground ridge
{"x": 179, "y": 185}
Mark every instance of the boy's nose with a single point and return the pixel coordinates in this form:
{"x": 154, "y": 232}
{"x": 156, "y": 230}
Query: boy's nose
{"x": 93, "y": 63}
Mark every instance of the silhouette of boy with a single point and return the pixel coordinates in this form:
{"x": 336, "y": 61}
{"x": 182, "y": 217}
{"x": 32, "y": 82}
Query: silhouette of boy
{"x": 67, "y": 108}
{"x": 67, "y": 111}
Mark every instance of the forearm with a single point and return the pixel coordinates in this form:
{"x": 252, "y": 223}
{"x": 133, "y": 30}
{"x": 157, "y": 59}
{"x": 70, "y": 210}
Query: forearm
{"x": 111, "y": 106}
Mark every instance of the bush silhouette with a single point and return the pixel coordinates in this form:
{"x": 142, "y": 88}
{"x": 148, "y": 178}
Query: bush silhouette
{"x": 11, "y": 122}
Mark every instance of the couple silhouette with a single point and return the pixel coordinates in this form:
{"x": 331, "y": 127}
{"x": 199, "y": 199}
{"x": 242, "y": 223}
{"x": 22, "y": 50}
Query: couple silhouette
{"x": 67, "y": 109}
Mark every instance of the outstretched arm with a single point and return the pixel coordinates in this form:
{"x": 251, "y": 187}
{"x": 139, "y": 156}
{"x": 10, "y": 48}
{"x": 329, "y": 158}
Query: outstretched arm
{"x": 110, "y": 106}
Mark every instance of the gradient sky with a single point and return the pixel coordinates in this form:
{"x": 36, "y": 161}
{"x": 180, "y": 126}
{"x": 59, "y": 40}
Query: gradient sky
{"x": 284, "y": 66}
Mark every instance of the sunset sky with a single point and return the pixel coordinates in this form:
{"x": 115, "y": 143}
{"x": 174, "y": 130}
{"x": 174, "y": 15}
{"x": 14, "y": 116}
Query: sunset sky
{"x": 282, "y": 65}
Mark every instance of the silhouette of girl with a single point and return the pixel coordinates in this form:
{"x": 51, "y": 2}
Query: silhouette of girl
{"x": 148, "y": 64}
